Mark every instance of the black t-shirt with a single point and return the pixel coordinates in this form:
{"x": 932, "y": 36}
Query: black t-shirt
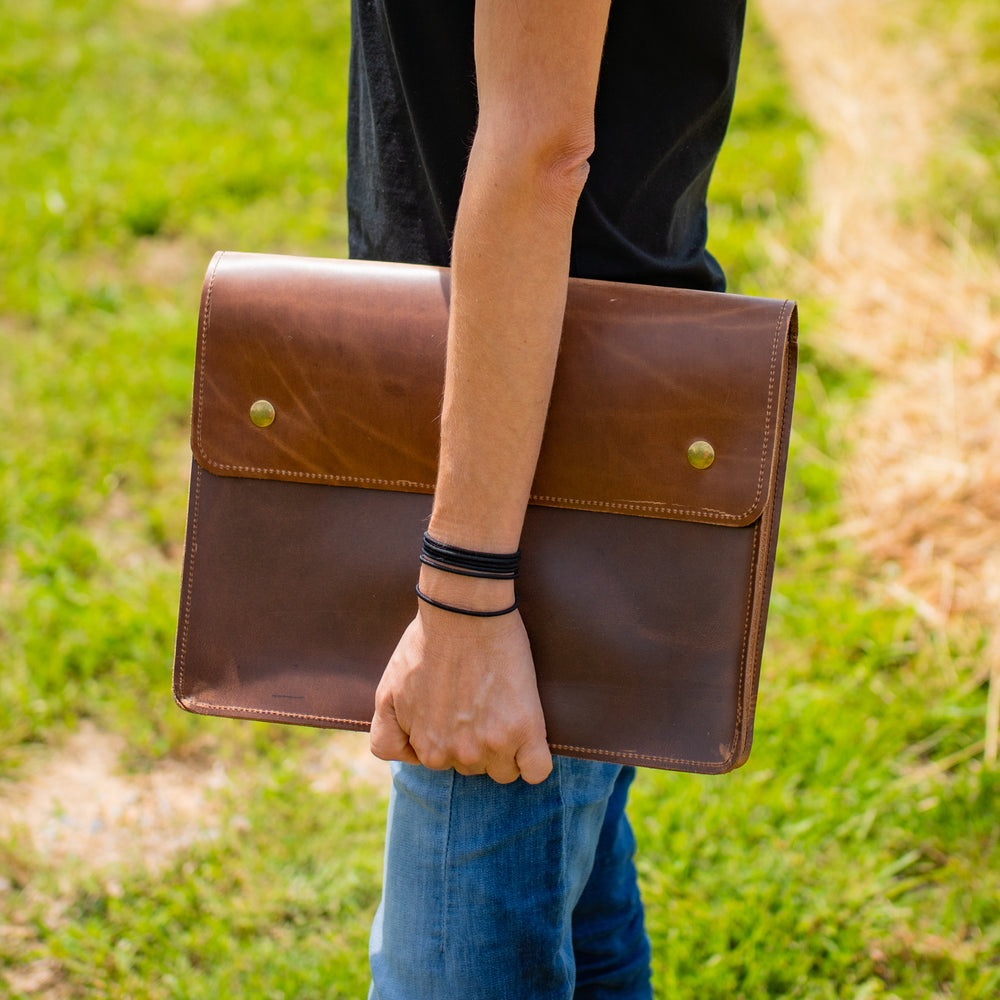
{"x": 666, "y": 88}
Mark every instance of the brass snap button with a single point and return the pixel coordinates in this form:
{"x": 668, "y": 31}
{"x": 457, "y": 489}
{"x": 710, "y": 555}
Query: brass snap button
{"x": 700, "y": 454}
{"x": 262, "y": 413}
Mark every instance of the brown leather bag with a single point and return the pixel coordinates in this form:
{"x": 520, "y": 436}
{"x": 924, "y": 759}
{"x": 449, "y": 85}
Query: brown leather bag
{"x": 648, "y": 547}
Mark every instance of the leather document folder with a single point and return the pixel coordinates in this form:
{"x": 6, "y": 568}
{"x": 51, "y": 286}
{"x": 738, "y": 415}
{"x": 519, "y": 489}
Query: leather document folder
{"x": 648, "y": 546}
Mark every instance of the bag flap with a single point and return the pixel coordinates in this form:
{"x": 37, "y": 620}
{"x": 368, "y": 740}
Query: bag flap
{"x": 345, "y": 361}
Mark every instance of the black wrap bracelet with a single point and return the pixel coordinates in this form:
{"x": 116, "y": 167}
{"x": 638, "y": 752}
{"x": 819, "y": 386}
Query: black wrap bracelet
{"x": 465, "y": 611}
{"x": 466, "y": 562}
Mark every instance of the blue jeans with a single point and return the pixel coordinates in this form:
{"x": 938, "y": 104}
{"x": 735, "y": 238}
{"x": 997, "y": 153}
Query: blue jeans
{"x": 510, "y": 892}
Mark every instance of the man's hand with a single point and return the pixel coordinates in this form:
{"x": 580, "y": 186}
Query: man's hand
{"x": 460, "y": 692}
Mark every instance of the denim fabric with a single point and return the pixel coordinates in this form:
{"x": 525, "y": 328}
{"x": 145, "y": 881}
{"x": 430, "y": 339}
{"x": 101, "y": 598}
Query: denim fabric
{"x": 510, "y": 892}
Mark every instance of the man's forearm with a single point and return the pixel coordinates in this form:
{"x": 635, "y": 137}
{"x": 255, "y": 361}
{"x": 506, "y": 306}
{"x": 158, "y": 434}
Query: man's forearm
{"x": 510, "y": 264}
{"x": 508, "y": 297}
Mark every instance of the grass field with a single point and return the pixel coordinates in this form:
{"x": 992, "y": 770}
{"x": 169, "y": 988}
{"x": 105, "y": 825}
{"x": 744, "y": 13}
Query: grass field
{"x": 857, "y": 855}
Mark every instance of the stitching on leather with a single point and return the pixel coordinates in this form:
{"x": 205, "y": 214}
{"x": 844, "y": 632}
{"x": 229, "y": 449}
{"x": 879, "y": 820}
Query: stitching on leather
{"x": 740, "y": 705}
{"x": 758, "y": 528}
{"x": 192, "y": 548}
{"x": 568, "y": 501}
{"x": 638, "y": 505}
{"x": 756, "y": 548}
{"x": 283, "y": 715}
{"x": 629, "y": 755}
{"x": 319, "y": 476}
{"x": 621, "y": 754}
{"x": 205, "y": 321}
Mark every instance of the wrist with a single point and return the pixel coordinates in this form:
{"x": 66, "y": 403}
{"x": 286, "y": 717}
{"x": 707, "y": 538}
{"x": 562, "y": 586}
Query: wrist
{"x": 472, "y": 593}
{"x": 497, "y": 536}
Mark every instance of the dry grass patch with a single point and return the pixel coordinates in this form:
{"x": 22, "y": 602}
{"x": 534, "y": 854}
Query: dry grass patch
{"x": 76, "y": 805}
{"x": 923, "y": 314}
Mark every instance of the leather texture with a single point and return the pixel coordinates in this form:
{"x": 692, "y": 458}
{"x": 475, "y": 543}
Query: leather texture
{"x": 644, "y": 582}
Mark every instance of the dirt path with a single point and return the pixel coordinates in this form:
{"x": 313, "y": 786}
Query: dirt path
{"x": 924, "y": 491}
{"x": 76, "y": 805}
{"x": 75, "y": 810}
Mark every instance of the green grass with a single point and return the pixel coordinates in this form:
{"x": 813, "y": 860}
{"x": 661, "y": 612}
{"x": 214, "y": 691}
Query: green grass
{"x": 138, "y": 144}
{"x": 259, "y": 915}
{"x": 757, "y": 198}
{"x": 960, "y": 193}
{"x": 855, "y": 856}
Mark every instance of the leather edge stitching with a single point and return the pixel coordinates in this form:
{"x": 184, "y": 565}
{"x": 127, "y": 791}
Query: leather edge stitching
{"x": 272, "y": 711}
{"x": 192, "y": 547}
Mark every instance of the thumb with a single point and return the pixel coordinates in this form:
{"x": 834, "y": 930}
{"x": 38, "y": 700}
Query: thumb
{"x": 388, "y": 740}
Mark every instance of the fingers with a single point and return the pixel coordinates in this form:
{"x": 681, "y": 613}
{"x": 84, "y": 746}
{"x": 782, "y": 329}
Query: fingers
{"x": 534, "y": 761}
{"x": 505, "y": 772}
{"x": 468, "y": 758}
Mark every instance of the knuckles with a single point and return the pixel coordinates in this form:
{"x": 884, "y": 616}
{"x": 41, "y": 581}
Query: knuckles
{"x": 435, "y": 760}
